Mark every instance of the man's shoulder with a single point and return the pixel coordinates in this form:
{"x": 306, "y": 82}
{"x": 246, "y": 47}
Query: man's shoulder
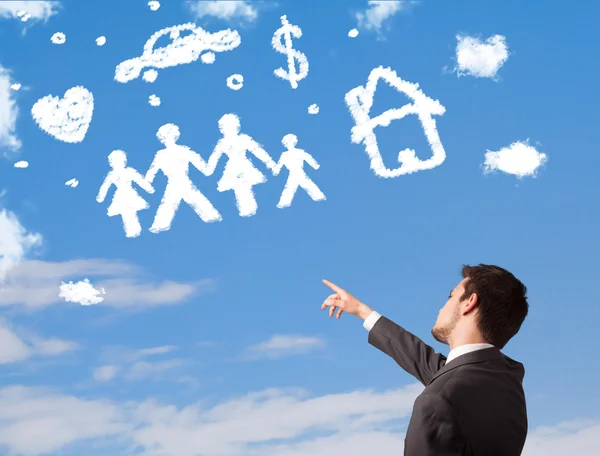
{"x": 493, "y": 375}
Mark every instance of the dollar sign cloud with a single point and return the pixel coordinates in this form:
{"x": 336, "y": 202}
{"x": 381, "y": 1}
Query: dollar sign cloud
{"x": 287, "y": 31}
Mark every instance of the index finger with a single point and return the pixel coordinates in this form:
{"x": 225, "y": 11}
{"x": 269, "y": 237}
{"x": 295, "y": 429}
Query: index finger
{"x": 333, "y": 286}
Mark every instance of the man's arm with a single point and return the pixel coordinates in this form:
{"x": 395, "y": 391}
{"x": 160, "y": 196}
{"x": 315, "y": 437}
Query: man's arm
{"x": 434, "y": 429}
{"x": 411, "y": 353}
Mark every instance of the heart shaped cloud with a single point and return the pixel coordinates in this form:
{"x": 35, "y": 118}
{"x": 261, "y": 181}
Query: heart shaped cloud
{"x": 66, "y": 119}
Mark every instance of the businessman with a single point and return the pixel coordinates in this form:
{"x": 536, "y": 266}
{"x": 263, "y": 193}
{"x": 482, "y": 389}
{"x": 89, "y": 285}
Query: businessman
{"x": 473, "y": 403}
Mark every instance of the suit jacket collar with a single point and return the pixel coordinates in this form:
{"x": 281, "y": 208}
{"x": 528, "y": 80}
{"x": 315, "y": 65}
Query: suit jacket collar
{"x": 478, "y": 356}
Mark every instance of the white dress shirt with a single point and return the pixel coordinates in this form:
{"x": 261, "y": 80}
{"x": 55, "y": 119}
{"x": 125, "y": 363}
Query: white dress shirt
{"x": 455, "y": 352}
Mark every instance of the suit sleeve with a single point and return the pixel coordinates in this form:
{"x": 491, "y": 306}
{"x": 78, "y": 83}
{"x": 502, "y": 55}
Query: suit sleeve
{"x": 434, "y": 429}
{"x": 411, "y": 353}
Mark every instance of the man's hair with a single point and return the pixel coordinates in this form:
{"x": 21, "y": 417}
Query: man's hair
{"x": 502, "y": 301}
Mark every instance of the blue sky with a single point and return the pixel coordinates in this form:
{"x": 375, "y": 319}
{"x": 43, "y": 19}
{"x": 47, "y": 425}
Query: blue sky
{"x": 210, "y": 339}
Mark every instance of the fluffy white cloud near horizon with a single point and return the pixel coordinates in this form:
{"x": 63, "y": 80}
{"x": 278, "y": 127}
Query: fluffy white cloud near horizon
{"x": 272, "y": 422}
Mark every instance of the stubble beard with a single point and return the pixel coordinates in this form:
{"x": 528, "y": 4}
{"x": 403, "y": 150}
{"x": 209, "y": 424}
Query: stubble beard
{"x": 442, "y": 333}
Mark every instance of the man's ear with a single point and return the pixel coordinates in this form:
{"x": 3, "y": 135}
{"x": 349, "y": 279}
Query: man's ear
{"x": 470, "y": 304}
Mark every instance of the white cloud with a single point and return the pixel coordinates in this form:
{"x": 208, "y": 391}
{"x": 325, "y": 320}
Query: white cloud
{"x": 245, "y": 425}
{"x": 82, "y": 292}
{"x": 36, "y": 421}
{"x": 279, "y": 346}
{"x": 36, "y": 10}
{"x": 273, "y": 422}
{"x": 155, "y": 350}
{"x": 481, "y": 59}
{"x": 133, "y": 366}
{"x": 134, "y": 293}
{"x": 229, "y": 10}
{"x": 15, "y": 242}
{"x": 155, "y": 370}
{"x": 34, "y": 284}
{"x": 519, "y": 159}
{"x": 53, "y": 347}
{"x": 105, "y": 373}
{"x": 15, "y": 348}
{"x": 378, "y": 12}
{"x": 12, "y": 348}
{"x": 8, "y": 113}
{"x": 580, "y": 437}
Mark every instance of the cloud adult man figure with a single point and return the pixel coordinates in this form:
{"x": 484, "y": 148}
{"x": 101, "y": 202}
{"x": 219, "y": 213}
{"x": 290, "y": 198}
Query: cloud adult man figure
{"x": 293, "y": 159}
{"x": 174, "y": 162}
{"x": 473, "y": 403}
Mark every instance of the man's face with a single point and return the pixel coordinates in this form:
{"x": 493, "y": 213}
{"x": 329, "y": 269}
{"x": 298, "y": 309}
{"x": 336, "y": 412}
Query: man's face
{"x": 448, "y": 315}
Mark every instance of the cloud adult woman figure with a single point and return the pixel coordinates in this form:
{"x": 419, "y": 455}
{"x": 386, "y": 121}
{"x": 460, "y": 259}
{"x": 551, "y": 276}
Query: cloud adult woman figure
{"x": 126, "y": 201}
{"x": 239, "y": 174}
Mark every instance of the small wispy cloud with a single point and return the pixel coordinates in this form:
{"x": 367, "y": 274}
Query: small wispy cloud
{"x": 155, "y": 350}
{"x": 519, "y": 159}
{"x": 17, "y": 346}
{"x": 153, "y": 369}
{"x": 29, "y": 10}
{"x": 235, "y": 10}
{"x": 15, "y": 242}
{"x": 478, "y": 58}
{"x": 105, "y": 373}
{"x": 378, "y": 12}
{"x": 133, "y": 364}
{"x": 280, "y": 346}
{"x": 9, "y": 112}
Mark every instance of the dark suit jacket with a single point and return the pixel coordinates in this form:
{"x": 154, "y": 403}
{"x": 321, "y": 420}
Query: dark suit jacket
{"x": 472, "y": 406}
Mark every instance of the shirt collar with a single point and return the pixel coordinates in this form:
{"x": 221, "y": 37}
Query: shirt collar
{"x": 467, "y": 348}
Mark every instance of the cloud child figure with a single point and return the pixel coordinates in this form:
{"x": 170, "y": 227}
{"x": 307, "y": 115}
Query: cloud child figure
{"x": 293, "y": 159}
{"x": 239, "y": 174}
{"x": 174, "y": 161}
{"x": 126, "y": 201}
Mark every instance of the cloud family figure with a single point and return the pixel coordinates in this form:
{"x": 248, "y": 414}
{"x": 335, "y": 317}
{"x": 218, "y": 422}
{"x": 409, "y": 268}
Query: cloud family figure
{"x": 174, "y": 161}
{"x": 239, "y": 175}
{"x": 126, "y": 201}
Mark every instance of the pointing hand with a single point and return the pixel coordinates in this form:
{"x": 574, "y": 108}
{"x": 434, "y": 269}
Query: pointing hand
{"x": 344, "y": 302}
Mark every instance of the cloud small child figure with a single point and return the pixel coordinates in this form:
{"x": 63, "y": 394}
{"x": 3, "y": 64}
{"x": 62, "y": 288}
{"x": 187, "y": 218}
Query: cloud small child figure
{"x": 293, "y": 159}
